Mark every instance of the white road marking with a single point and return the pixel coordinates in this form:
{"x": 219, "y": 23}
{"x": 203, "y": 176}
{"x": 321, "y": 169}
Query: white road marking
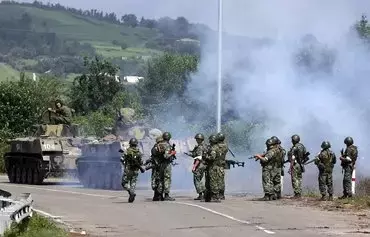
{"x": 224, "y": 215}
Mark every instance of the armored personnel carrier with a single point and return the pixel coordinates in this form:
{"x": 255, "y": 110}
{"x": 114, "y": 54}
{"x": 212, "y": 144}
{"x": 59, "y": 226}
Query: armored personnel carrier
{"x": 50, "y": 150}
{"x": 99, "y": 165}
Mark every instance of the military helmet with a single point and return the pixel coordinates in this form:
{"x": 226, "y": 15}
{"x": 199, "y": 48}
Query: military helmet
{"x": 295, "y": 139}
{"x": 325, "y": 145}
{"x": 348, "y": 141}
{"x": 220, "y": 137}
{"x": 269, "y": 143}
{"x": 199, "y": 136}
{"x": 213, "y": 139}
{"x": 133, "y": 141}
{"x": 275, "y": 140}
{"x": 166, "y": 136}
{"x": 58, "y": 101}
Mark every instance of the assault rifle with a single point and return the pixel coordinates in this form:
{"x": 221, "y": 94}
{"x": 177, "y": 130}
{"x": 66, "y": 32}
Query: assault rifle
{"x": 142, "y": 170}
{"x": 229, "y": 163}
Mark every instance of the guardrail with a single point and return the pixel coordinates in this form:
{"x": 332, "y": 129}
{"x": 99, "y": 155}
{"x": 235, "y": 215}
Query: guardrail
{"x": 14, "y": 210}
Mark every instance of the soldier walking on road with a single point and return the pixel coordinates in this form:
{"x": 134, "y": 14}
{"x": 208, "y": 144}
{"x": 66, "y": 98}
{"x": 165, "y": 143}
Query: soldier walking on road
{"x": 224, "y": 149}
{"x": 166, "y": 156}
{"x": 325, "y": 162}
{"x": 297, "y": 157}
{"x": 199, "y": 167}
{"x": 348, "y": 158}
{"x": 278, "y": 172}
{"x": 213, "y": 171}
{"x": 267, "y": 162}
{"x": 132, "y": 160}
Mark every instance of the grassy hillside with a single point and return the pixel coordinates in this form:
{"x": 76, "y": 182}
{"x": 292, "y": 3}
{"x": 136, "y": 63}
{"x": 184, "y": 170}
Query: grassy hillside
{"x": 74, "y": 27}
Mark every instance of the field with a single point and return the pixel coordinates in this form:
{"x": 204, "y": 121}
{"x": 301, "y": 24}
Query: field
{"x": 69, "y": 26}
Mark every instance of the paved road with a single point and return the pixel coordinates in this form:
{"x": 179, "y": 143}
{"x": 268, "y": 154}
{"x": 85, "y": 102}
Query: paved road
{"x": 107, "y": 213}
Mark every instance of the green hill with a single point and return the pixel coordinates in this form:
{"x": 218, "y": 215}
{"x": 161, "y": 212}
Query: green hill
{"x": 71, "y": 26}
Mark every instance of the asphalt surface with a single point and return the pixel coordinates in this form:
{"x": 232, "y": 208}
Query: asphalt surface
{"x": 107, "y": 213}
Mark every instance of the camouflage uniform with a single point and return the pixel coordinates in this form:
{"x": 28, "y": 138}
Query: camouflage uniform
{"x": 132, "y": 160}
{"x": 153, "y": 164}
{"x": 63, "y": 114}
{"x": 349, "y": 157}
{"x": 224, "y": 149}
{"x": 278, "y": 170}
{"x": 213, "y": 173}
{"x": 297, "y": 157}
{"x": 166, "y": 155}
{"x": 267, "y": 161}
{"x": 325, "y": 162}
{"x": 198, "y": 153}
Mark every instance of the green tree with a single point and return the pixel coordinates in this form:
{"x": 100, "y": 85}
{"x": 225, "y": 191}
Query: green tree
{"x": 96, "y": 88}
{"x": 166, "y": 76}
{"x": 363, "y": 28}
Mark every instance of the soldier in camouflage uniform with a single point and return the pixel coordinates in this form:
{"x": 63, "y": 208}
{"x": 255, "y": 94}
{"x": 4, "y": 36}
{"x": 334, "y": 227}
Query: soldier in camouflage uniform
{"x": 153, "y": 164}
{"x": 278, "y": 172}
{"x": 132, "y": 160}
{"x": 297, "y": 157}
{"x": 224, "y": 149}
{"x": 348, "y": 162}
{"x": 213, "y": 171}
{"x": 199, "y": 167}
{"x": 166, "y": 156}
{"x": 325, "y": 162}
{"x": 267, "y": 161}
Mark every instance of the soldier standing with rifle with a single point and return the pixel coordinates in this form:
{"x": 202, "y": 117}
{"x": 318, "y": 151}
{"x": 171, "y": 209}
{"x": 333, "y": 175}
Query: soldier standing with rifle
{"x": 199, "y": 167}
{"x": 348, "y": 158}
{"x": 278, "y": 174}
{"x": 153, "y": 164}
{"x": 267, "y": 161}
{"x": 297, "y": 156}
{"x": 132, "y": 161}
{"x": 214, "y": 168}
{"x": 167, "y": 154}
{"x": 325, "y": 162}
{"x": 224, "y": 149}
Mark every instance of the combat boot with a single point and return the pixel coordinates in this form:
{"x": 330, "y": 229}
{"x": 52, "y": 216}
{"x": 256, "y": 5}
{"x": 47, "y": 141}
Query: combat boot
{"x": 156, "y": 196}
{"x": 131, "y": 197}
{"x": 200, "y": 197}
{"x": 272, "y": 197}
{"x": 278, "y": 195}
{"x": 168, "y": 198}
{"x": 323, "y": 198}
{"x": 266, "y": 198}
{"x": 222, "y": 195}
{"x": 343, "y": 197}
{"x": 330, "y": 197}
{"x": 297, "y": 195}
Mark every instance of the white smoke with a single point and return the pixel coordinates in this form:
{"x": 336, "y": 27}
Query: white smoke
{"x": 317, "y": 106}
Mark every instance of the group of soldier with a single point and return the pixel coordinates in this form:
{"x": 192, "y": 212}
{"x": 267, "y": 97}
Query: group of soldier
{"x": 273, "y": 160}
{"x": 210, "y": 163}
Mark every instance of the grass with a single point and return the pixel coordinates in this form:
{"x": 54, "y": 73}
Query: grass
{"x": 37, "y": 226}
{"x": 70, "y": 26}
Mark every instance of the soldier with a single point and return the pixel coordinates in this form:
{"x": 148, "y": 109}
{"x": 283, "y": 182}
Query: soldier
{"x": 62, "y": 113}
{"x": 224, "y": 149}
{"x": 153, "y": 164}
{"x": 199, "y": 166}
{"x": 267, "y": 162}
{"x": 132, "y": 163}
{"x": 166, "y": 156}
{"x": 348, "y": 158}
{"x": 325, "y": 162}
{"x": 279, "y": 167}
{"x": 213, "y": 171}
{"x": 297, "y": 157}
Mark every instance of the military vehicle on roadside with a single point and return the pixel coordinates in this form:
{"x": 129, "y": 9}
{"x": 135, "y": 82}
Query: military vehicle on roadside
{"x": 49, "y": 150}
{"x": 99, "y": 165}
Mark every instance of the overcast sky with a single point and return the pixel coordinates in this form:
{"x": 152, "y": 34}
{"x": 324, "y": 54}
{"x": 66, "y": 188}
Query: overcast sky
{"x": 246, "y": 17}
